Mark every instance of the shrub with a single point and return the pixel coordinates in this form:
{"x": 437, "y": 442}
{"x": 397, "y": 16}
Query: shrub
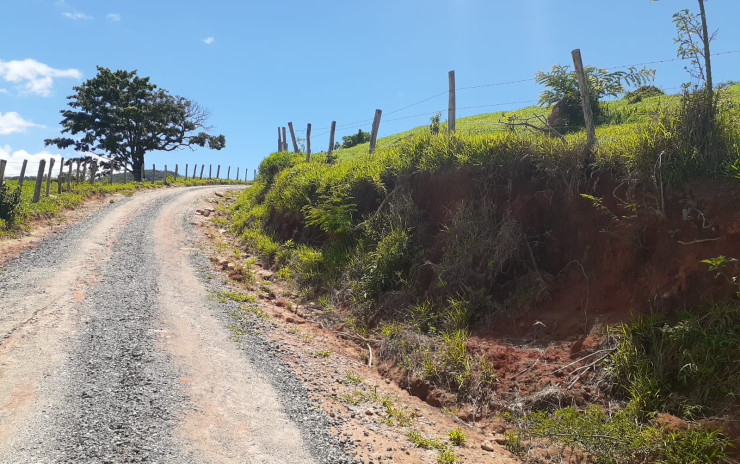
{"x": 10, "y": 205}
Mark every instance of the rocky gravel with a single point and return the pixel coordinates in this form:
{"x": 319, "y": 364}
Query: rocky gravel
{"x": 116, "y": 395}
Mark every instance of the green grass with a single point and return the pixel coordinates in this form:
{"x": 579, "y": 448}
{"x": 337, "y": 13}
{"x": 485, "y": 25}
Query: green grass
{"x": 55, "y": 203}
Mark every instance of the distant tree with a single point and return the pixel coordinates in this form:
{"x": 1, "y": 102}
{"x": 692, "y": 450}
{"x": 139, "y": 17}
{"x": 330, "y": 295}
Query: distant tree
{"x": 562, "y": 90}
{"x": 434, "y": 124}
{"x": 361, "y": 136}
{"x": 121, "y": 116}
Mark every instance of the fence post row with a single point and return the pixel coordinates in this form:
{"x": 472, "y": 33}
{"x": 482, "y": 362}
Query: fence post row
{"x": 331, "y": 137}
{"x": 374, "y": 134}
{"x": 2, "y": 170}
{"x": 48, "y": 176}
{"x": 23, "y": 174}
{"x": 308, "y": 142}
{"x": 451, "y": 103}
{"x": 292, "y": 136}
{"x": 39, "y": 181}
{"x": 585, "y": 101}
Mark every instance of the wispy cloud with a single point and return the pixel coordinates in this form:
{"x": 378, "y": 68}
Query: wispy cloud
{"x": 13, "y": 122}
{"x": 115, "y": 17}
{"x": 15, "y": 160}
{"x": 76, "y": 16}
{"x": 33, "y": 77}
{"x": 209, "y": 40}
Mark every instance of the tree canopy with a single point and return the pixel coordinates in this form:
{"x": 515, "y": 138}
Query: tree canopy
{"x": 122, "y": 116}
{"x": 349, "y": 141}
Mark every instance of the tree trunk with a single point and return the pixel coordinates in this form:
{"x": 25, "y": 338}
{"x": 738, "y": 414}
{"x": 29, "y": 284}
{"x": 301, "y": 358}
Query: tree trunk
{"x": 136, "y": 163}
{"x": 705, "y": 37}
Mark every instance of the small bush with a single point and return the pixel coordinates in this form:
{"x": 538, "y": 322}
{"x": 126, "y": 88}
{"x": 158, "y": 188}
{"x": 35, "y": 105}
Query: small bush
{"x": 457, "y": 437}
{"x": 10, "y": 205}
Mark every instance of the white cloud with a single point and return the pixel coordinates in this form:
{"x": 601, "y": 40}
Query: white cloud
{"x": 34, "y": 77}
{"x": 13, "y": 122}
{"x": 15, "y": 161}
{"x": 115, "y": 17}
{"x": 76, "y": 16}
{"x": 209, "y": 40}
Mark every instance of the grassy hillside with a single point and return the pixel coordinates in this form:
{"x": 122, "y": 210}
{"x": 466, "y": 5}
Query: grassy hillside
{"x": 435, "y": 241}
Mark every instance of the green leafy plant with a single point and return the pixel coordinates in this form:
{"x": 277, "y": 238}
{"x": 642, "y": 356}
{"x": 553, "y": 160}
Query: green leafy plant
{"x": 10, "y": 205}
{"x": 457, "y": 437}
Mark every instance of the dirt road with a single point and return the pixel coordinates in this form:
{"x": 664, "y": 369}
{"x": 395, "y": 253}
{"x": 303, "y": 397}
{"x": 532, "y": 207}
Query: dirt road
{"x": 110, "y": 352}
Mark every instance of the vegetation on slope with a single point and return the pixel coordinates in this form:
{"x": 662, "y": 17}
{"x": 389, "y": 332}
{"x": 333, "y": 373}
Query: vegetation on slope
{"x": 356, "y": 234}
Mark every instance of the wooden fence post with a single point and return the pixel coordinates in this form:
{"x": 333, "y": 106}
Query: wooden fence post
{"x": 331, "y": 137}
{"x": 210, "y": 171}
{"x": 93, "y": 170}
{"x": 165, "y": 174}
{"x": 285, "y": 141}
{"x": 588, "y": 115}
{"x": 39, "y": 181}
{"x": 23, "y": 174}
{"x": 186, "y": 171}
{"x": 154, "y": 173}
{"x": 374, "y": 132}
{"x": 228, "y": 173}
{"x": 69, "y": 177}
{"x": 202, "y": 166}
{"x": 176, "y": 167}
{"x": 195, "y": 171}
{"x": 280, "y": 141}
{"x": 61, "y": 174}
{"x": 308, "y": 142}
{"x": 255, "y": 175}
{"x": 218, "y": 172}
{"x": 292, "y": 137}
{"x": 143, "y": 172}
{"x": 48, "y": 177}
{"x": 451, "y": 103}
{"x": 237, "y": 173}
{"x": 2, "y": 170}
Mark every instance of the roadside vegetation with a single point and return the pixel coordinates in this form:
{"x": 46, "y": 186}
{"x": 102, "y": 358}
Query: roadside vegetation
{"x": 17, "y": 210}
{"x": 354, "y": 233}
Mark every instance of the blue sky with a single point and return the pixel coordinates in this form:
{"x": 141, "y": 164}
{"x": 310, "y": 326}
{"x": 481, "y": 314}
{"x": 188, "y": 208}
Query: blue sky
{"x": 257, "y": 65}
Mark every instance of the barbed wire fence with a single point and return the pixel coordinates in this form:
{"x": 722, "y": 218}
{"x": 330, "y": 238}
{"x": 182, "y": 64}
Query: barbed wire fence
{"x": 304, "y": 135}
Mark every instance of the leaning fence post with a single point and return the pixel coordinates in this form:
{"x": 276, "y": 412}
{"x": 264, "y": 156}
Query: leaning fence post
{"x": 308, "y": 142}
{"x": 176, "y": 167}
{"x": 376, "y": 126}
{"x": 285, "y": 141}
{"x": 2, "y": 170}
{"x": 255, "y": 175}
{"x": 23, "y": 173}
{"x": 588, "y": 115}
{"x": 39, "y": 181}
{"x": 218, "y": 172}
{"x": 69, "y": 177}
{"x": 186, "y": 171}
{"x": 48, "y": 177}
{"x": 202, "y": 166}
{"x": 61, "y": 173}
{"x": 451, "y": 103}
{"x": 292, "y": 137}
{"x": 331, "y": 137}
{"x": 237, "y": 173}
{"x": 228, "y": 173}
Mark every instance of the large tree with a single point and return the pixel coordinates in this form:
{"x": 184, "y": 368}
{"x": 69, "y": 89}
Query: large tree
{"x": 121, "y": 116}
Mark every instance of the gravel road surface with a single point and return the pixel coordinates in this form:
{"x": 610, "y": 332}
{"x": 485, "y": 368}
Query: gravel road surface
{"x": 112, "y": 349}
